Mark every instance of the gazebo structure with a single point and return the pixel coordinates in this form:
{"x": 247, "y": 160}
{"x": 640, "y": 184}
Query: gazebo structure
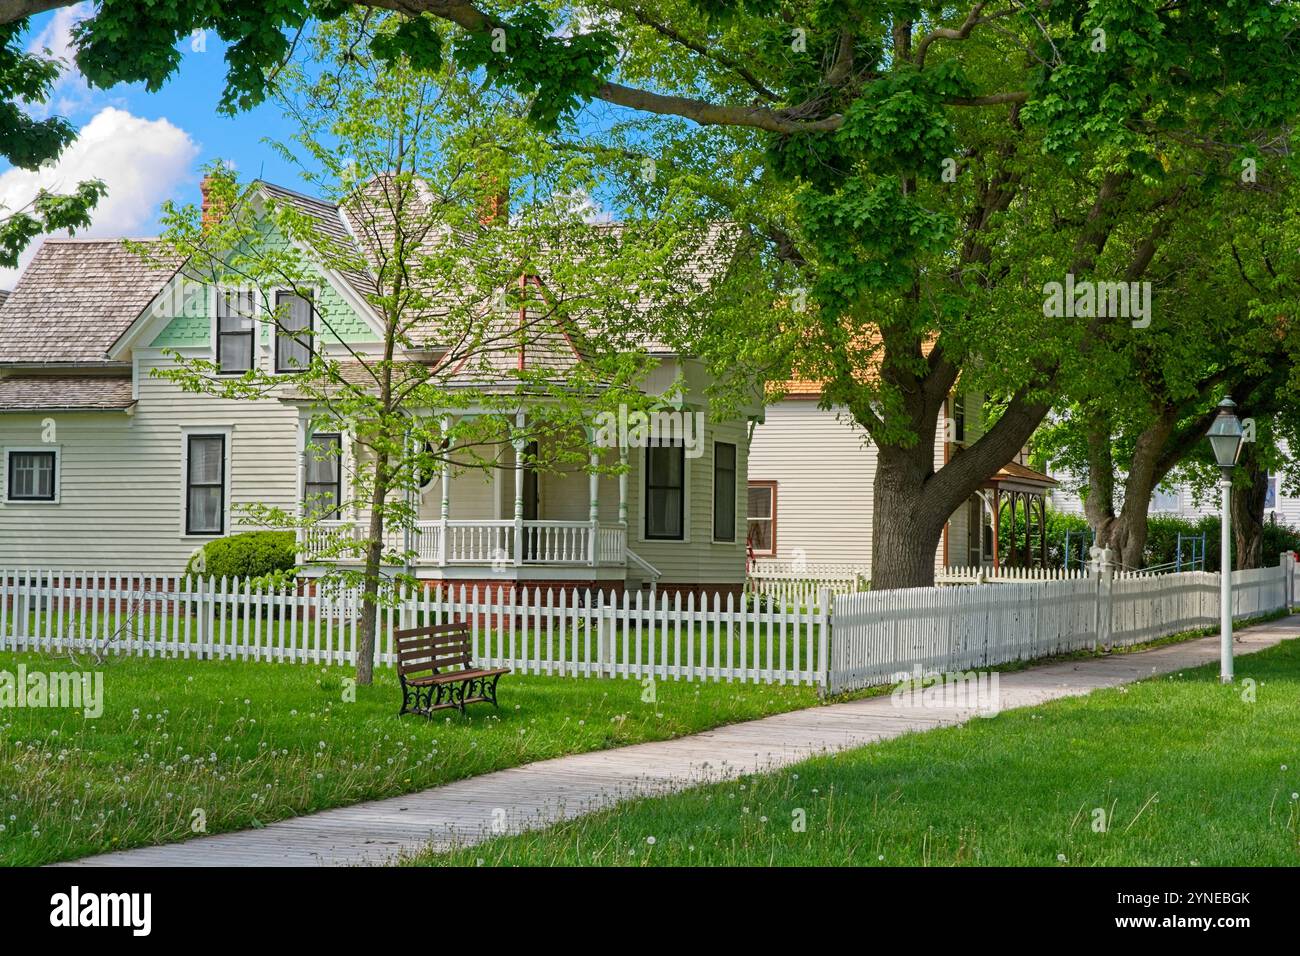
{"x": 1026, "y": 491}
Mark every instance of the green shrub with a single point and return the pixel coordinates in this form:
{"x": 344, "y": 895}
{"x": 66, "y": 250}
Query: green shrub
{"x": 253, "y": 554}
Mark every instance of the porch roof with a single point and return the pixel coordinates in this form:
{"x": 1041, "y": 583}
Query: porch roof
{"x": 20, "y": 393}
{"x": 1014, "y": 476}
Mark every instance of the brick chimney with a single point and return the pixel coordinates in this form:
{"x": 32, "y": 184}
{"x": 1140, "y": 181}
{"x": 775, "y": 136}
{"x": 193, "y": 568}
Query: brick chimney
{"x": 215, "y": 205}
{"x": 496, "y": 204}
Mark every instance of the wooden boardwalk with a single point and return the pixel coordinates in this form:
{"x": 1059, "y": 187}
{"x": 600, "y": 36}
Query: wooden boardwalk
{"x": 542, "y": 793}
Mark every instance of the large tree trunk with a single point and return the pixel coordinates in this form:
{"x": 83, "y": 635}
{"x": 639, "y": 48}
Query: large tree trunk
{"x": 1126, "y": 533}
{"x": 1248, "y": 500}
{"x": 1099, "y": 506}
{"x": 905, "y": 530}
{"x": 913, "y": 501}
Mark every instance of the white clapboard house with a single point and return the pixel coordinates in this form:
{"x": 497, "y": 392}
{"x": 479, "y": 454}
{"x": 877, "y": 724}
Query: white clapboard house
{"x": 107, "y": 467}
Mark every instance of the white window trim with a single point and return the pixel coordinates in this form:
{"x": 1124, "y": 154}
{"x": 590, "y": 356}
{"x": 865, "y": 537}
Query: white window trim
{"x": 773, "y": 487}
{"x": 195, "y": 431}
{"x": 57, "y": 479}
{"x": 687, "y": 467}
{"x": 735, "y": 496}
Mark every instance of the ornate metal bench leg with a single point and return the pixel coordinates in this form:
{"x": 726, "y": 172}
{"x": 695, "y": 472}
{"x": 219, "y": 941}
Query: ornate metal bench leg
{"x": 460, "y": 695}
{"x": 491, "y": 692}
{"x": 406, "y": 699}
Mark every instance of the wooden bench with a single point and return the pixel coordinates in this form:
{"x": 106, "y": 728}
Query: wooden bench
{"x": 423, "y": 656}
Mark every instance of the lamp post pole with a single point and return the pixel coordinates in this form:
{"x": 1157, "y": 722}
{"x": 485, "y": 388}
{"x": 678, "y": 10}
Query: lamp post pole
{"x": 1225, "y": 583}
{"x": 1225, "y": 436}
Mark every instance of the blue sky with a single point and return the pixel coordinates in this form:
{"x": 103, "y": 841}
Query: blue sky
{"x": 148, "y": 147}
{"x": 151, "y": 147}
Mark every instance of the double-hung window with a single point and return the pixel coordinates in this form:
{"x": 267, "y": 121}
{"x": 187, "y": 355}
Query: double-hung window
{"x": 205, "y": 484}
{"x": 293, "y": 316}
{"x": 33, "y": 476}
{"x": 236, "y": 331}
{"x": 322, "y": 484}
{"x": 762, "y": 517}
{"x": 665, "y": 492}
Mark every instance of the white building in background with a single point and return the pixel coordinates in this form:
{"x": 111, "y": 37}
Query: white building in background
{"x": 812, "y": 482}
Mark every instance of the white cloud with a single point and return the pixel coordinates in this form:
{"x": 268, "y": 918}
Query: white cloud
{"x": 580, "y": 204}
{"x": 141, "y": 161}
{"x": 71, "y": 93}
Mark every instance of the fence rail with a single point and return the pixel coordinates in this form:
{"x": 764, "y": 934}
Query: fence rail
{"x": 978, "y": 574}
{"x": 562, "y": 632}
{"x": 879, "y": 635}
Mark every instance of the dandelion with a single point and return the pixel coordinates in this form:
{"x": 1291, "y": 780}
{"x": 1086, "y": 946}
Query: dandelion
{"x": 650, "y": 840}
{"x": 1060, "y": 858}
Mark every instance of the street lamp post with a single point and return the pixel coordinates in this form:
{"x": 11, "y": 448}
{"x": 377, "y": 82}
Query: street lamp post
{"x": 1225, "y": 439}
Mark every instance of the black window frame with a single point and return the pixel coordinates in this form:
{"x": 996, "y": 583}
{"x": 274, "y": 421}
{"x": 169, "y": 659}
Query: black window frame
{"x": 250, "y": 334}
{"x": 54, "y": 475}
{"x": 729, "y": 501}
{"x": 190, "y": 485}
{"x": 295, "y": 336}
{"x": 680, "y": 448}
{"x": 307, "y": 494}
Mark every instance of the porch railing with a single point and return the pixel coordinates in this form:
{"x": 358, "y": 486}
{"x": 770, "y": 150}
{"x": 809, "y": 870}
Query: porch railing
{"x": 485, "y": 542}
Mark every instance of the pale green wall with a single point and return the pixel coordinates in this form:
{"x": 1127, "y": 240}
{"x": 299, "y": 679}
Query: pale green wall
{"x": 338, "y": 320}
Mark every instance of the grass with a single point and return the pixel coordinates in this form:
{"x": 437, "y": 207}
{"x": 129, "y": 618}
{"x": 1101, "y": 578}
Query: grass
{"x": 1173, "y": 771}
{"x": 237, "y": 744}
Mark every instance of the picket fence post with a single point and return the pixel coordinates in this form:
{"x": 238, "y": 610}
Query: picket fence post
{"x": 825, "y": 618}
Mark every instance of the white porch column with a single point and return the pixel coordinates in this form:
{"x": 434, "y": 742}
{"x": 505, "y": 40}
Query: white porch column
{"x": 593, "y": 498}
{"x": 444, "y": 512}
{"x": 622, "y": 486}
{"x": 300, "y": 485}
{"x": 520, "y": 445}
{"x": 413, "y": 502}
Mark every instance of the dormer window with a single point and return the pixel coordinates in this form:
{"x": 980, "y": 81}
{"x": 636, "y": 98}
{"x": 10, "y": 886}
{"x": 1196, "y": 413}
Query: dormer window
{"x": 235, "y": 331}
{"x": 293, "y": 315}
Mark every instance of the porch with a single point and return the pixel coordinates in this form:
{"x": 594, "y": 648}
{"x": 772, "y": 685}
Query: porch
{"x": 503, "y": 515}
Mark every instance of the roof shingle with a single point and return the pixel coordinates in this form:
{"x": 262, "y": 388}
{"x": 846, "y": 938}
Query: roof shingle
{"x": 75, "y": 298}
{"x": 65, "y": 393}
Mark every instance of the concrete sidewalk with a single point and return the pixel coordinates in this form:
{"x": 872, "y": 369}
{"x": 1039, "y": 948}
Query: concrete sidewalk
{"x": 542, "y": 793}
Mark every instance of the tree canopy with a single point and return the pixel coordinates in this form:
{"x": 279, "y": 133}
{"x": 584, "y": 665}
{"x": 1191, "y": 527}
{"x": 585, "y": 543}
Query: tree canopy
{"x": 913, "y": 175}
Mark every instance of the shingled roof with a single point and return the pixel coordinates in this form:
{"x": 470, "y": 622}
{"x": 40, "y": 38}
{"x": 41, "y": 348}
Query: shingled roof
{"x": 75, "y": 298}
{"x": 22, "y": 393}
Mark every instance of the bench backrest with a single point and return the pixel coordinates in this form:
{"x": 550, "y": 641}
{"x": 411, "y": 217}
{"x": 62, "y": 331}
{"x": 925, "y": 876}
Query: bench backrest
{"x": 433, "y": 648}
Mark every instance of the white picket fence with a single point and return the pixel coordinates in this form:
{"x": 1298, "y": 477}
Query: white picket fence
{"x": 978, "y": 574}
{"x": 835, "y": 643}
{"x": 588, "y": 634}
{"x": 879, "y": 635}
{"x": 800, "y": 583}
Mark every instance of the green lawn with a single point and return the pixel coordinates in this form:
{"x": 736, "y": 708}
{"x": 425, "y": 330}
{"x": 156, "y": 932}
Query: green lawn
{"x": 1183, "y": 770}
{"x": 247, "y": 743}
